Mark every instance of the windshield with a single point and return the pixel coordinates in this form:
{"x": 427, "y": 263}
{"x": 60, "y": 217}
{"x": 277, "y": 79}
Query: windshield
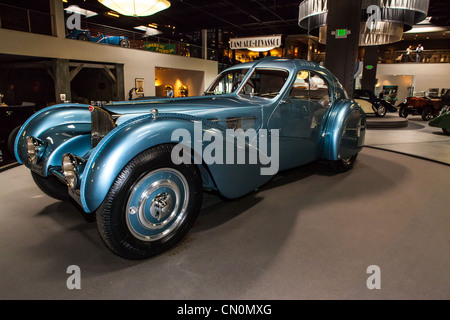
{"x": 265, "y": 83}
{"x": 228, "y": 82}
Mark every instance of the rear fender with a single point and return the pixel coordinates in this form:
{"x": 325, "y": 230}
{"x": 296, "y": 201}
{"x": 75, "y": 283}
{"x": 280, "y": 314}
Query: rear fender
{"x": 135, "y": 136}
{"x": 345, "y": 131}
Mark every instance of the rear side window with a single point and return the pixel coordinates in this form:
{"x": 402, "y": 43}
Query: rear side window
{"x": 310, "y": 86}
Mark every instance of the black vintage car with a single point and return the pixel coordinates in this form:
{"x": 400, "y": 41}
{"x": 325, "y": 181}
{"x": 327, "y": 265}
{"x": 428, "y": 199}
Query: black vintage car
{"x": 11, "y": 119}
{"x": 370, "y": 103}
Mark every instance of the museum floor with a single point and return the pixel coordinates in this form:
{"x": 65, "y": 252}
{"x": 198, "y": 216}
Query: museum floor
{"x": 308, "y": 234}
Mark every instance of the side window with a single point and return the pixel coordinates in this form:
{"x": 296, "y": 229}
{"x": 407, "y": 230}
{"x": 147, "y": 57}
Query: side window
{"x": 265, "y": 83}
{"x": 310, "y": 86}
{"x": 318, "y": 90}
{"x": 300, "y": 89}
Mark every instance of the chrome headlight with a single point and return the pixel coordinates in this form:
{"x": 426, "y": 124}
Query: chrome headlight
{"x": 71, "y": 166}
{"x": 35, "y": 149}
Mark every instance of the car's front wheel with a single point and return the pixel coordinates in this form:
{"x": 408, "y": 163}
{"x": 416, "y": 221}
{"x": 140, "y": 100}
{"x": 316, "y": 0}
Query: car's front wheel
{"x": 446, "y": 131}
{"x": 403, "y": 112}
{"x": 151, "y": 206}
{"x": 52, "y": 187}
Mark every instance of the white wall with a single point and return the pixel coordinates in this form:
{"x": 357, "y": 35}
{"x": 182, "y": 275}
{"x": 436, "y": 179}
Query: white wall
{"x": 137, "y": 63}
{"x": 425, "y": 75}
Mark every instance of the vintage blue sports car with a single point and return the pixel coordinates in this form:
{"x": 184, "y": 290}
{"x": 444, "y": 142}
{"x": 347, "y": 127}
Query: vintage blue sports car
{"x": 140, "y": 167}
{"x": 85, "y": 35}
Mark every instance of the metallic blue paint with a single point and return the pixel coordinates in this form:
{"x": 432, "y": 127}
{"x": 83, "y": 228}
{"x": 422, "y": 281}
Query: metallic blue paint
{"x": 339, "y": 133}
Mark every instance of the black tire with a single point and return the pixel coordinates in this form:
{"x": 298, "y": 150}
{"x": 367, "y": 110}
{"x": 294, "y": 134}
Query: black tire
{"x": 445, "y": 131}
{"x": 122, "y": 225}
{"x": 52, "y": 187}
{"x": 124, "y": 43}
{"x": 381, "y": 111}
{"x": 427, "y": 113}
{"x": 83, "y": 37}
{"x": 11, "y": 141}
{"x": 343, "y": 165}
{"x": 403, "y": 112}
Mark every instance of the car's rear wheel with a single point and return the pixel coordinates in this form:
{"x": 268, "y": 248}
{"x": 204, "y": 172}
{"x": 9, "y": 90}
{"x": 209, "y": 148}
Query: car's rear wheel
{"x": 343, "y": 165}
{"x": 427, "y": 113}
{"x": 151, "y": 206}
{"x": 83, "y": 37}
{"x": 446, "y": 131}
{"x": 52, "y": 187}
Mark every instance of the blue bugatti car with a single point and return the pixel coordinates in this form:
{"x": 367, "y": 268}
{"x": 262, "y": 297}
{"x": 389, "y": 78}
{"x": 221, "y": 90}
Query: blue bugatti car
{"x": 85, "y": 35}
{"x": 140, "y": 167}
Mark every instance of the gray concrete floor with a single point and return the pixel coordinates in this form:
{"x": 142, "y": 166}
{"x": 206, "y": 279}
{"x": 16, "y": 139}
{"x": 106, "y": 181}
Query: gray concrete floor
{"x": 308, "y": 234}
{"x": 418, "y": 139}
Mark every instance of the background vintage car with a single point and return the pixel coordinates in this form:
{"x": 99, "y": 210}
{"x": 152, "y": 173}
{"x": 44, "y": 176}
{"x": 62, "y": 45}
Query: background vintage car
{"x": 115, "y": 160}
{"x": 426, "y": 107}
{"x": 11, "y": 119}
{"x": 85, "y": 35}
{"x": 442, "y": 121}
{"x": 371, "y": 104}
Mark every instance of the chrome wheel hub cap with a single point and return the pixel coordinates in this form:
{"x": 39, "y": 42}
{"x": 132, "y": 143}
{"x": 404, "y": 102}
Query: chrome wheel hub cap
{"x": 161, "y": 205}
{"x": 157, "y": 204}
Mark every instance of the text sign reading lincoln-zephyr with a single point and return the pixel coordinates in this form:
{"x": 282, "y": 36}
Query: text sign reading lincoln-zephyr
{"x": 139, "y": 167}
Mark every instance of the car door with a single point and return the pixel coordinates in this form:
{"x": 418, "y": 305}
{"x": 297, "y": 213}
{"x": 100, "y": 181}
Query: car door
{"x": 300, "y": 118}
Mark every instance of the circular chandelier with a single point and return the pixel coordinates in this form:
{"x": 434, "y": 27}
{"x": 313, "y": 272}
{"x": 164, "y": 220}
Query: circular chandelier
{"x": 136, "y": 8}
{"x": 393, "y": 17}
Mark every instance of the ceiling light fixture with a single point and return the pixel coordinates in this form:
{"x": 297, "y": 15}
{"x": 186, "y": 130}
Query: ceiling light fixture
{"x": 261, "y": 49}
{"x": 136, "y": 8}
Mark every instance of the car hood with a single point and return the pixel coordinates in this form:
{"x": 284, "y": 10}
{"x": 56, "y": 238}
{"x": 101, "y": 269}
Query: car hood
{"x": 206, "y": 107}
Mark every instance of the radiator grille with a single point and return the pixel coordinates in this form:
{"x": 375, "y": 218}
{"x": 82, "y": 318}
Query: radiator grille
{"x": 101, "y": 124}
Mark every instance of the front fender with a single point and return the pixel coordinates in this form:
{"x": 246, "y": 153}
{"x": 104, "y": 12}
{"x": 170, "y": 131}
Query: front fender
{"x": 44, "y": 124}
{"x": 345, "y": 131}
{"x": 134, "y": 136}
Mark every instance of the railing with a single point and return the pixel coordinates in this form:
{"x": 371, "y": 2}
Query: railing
{"x": 139, "y": 40}
{"x": 26, "y": 20}
{"x": 427, "y": 56}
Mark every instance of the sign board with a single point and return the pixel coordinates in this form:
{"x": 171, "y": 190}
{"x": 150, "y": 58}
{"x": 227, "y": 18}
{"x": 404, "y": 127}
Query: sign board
{"x": 341, "y": 33}
{"x": 160, "y": 47}
{"x": 273, "y": 41}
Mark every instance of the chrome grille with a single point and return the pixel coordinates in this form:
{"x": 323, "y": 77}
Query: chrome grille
{"x": 101, "y": 124}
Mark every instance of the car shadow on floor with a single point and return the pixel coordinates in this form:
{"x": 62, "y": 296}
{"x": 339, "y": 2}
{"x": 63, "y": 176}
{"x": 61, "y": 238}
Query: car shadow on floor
{"x": 283, "y": 200}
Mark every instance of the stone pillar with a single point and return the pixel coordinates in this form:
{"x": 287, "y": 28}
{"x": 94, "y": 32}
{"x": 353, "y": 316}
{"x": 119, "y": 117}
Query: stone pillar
{"x": 369, "y": 76}
{"x": 341, "y": 53}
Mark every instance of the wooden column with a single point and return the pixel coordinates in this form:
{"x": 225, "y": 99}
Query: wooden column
{"x": 61, "y": 77}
